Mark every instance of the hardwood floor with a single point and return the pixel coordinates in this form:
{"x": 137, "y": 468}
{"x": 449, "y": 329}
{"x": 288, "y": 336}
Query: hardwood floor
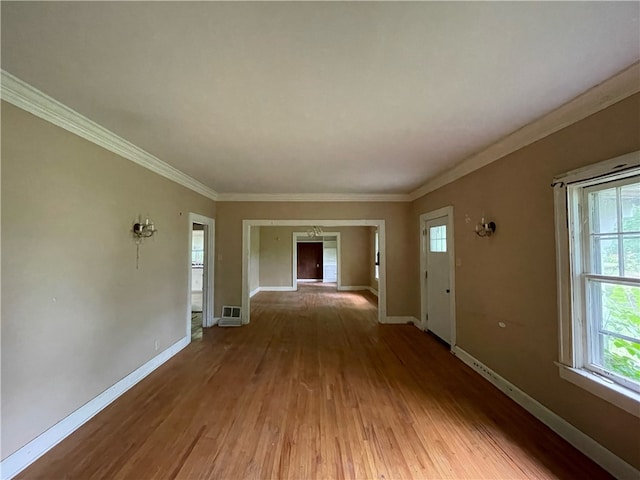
{"x": 314, "y": 388}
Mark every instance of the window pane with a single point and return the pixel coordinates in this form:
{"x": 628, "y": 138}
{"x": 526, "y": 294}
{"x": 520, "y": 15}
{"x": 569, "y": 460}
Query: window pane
{"x": 630, "y": 200}
{"x": 621, "y": 357}
{"x": 438, "y": 238}
{"x": 617, "y": 309}
{"x": 604, "y": 216}
{"x": 631, "y": 245}
{"x": 605, "y": 259}
{"x": 615, "y": 323}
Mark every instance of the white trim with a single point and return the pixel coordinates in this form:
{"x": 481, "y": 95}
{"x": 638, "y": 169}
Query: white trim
{"x": 373, "y": 290}
{"x": 208, "y": 309}
{"x": 32, "y": 100}
{"x": 618, "y": 165}
{"x": 401, "y": 320}
{"x": 246, "y": 239}
{"x": 587, "y": 445}
{"x": 253, "y": 292}
{"x": 609, "y": 92}
{"x": 613, "y": 90}
{"x": 316, "y": 223}
{"x": 440, "y": 212}
{"x": 623, "y": 398}
{"x": 285, "y": 288}
{"x": 312, "y": 197}
{"x": 353, "y": 288}
{"x": 25, "y": 456}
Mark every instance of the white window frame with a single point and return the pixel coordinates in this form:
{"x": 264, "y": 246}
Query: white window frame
{"x": 570, "y": 258}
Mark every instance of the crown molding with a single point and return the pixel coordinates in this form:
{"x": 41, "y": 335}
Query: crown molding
{"x": 312, "y": 197}
{"x": 603, "y": 95}
{"x": 32, "y": 100}
{"x": 609, "y": 92}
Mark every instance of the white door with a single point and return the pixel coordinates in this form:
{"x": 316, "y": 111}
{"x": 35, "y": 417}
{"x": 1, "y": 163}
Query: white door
{"x": 330, "y": 261}
{"x": 437, "y": 282}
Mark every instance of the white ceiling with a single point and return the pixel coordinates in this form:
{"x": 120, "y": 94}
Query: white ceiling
{"x": 316, "y": 97}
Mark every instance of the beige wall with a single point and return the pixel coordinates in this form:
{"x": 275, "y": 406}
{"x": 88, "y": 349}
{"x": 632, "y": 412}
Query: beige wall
{"x": 76, "y": 314}
{"x": 276, "y": 255}
{"x": 401, "y": 289}
{"x": 355, "y": 261}
{"x": 511, "y": 276}
{"x": 254, "y": 263}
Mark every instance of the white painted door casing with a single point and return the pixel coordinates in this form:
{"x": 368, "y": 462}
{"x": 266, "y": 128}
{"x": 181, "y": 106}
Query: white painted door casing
{"x": 437, "y": 281}
{"x": 437, "y": 275}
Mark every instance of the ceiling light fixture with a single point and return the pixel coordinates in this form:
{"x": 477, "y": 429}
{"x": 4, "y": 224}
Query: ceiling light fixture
{"x": 315, "y": 232}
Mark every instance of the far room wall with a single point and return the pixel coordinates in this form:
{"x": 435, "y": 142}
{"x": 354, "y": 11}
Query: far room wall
{"x": 402, "y": 293}
{"x": 276, "y": 255}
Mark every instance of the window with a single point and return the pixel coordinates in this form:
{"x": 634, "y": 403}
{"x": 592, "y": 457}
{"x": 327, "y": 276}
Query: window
{"x": 376, "y": 249}
{"x": 610, "y": 279}
{"x": 197, "y": 248}
{"x": 438, "y": 238}
{"x": 598, "y": 243}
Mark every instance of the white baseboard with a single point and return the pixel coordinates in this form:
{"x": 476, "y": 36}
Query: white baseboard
{"x": 278, "y": 289}
{"x": 25, "y": 456}
{"x": 587, "y": 445}
{"x": 373, "y": 290}
{"x": 400, "y": 320}
{"x": 253, "y": 292}
{"x": 352, "y": 288}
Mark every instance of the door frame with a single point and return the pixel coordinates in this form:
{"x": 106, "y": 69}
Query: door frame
{"x": 207, "y": 271}
{"x": 297, "y": 235}
{"x": 246, "y": 255}
{"x": 424, "y": 218}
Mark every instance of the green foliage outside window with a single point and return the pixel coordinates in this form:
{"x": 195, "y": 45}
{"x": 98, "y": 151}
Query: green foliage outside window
{"x": 621, "y": 312}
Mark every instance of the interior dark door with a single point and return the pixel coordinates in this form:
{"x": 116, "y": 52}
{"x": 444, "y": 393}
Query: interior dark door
{"x": 309, "y": 261}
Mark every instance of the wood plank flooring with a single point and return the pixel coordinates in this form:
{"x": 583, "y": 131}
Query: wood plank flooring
{"x": 314, "y": 388}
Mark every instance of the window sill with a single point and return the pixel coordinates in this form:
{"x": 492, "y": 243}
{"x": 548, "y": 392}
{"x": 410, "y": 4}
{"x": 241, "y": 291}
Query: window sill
{"x": 621, "y": 397}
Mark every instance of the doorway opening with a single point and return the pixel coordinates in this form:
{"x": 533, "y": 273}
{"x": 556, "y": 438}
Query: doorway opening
{"x": 200, "y": 299}
{"x": 315, "y": 259}
{"x": 197, "y": 277}
{"x": 266, "y": 267}
{"x": 437, "y": 275}
{"x": 309, "y": 261}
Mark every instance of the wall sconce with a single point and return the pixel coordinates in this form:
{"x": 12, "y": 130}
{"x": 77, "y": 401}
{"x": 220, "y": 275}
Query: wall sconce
{"x": 315, "y": 232}
{"x": 143, "y": 230}
{"x": 485, "y": 229}
{"x": 140, "y": 232}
